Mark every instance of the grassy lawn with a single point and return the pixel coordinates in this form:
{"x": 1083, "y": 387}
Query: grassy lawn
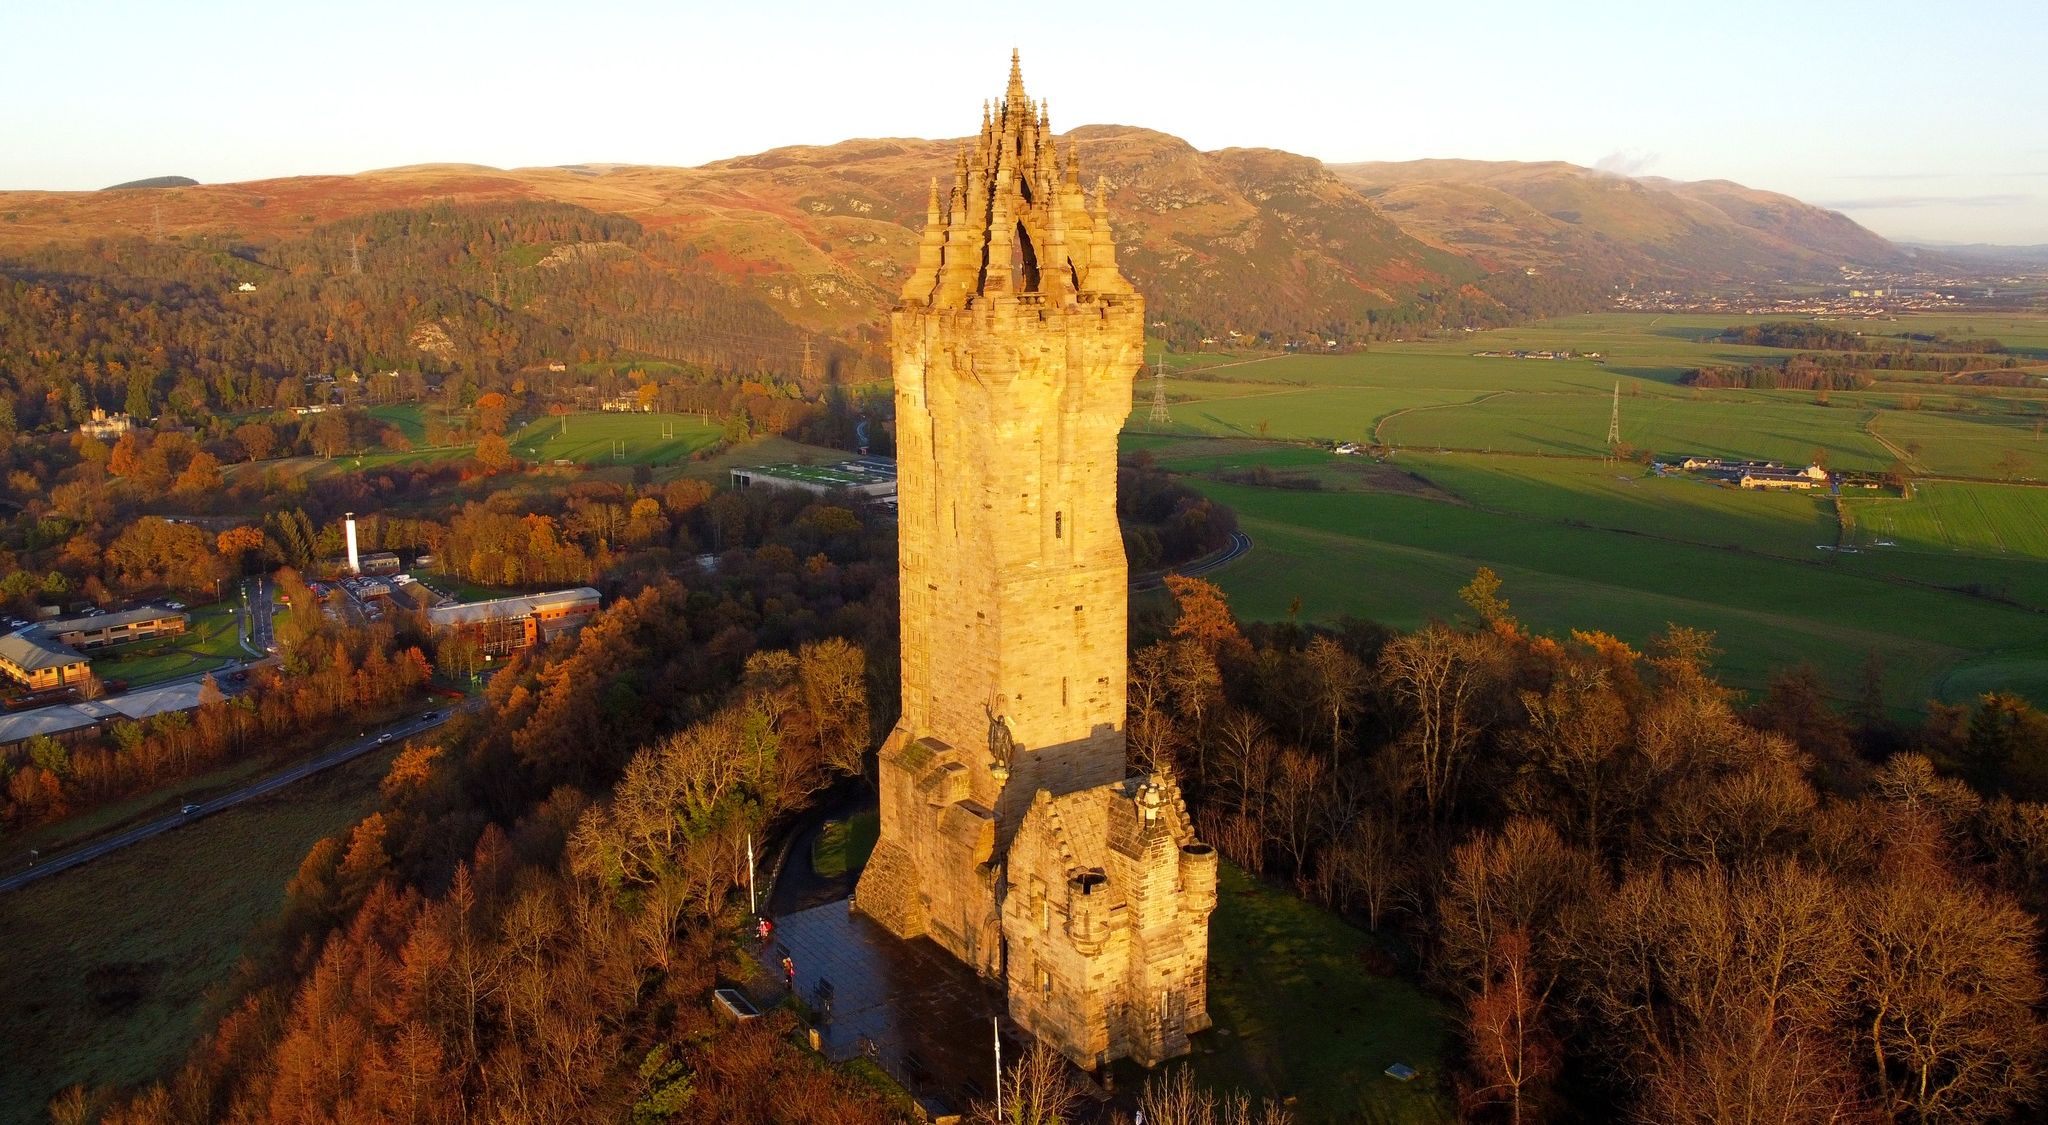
{"x": 109, "y": 966}
{"x": 1298, "y": 1014}
{"x": 207, "y": 643}
{"x": 630, "y": 439}
{"x": 408, "y": 418}
{"x": 844, "y": 844}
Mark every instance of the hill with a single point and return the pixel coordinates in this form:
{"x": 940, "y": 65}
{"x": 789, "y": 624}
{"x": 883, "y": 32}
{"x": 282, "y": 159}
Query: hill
{"x": 1554, "y": 215}
{"x": 734, "y": 265}
{"x": 155, "y": 182}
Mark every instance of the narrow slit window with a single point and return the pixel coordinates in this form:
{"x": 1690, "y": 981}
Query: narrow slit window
{"x": 1059, "y": 520}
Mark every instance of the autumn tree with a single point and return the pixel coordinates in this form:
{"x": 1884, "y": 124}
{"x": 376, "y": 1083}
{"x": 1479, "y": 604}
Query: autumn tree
{"x": 1515, "y": 1057}
{"x": 493, "y": 453}
{"x": 238, "y": 545}
{"x": 155, "y": 553}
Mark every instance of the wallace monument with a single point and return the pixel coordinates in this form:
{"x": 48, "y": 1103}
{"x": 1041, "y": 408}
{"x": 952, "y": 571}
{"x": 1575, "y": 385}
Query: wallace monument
{"x": 1012, "y": 834}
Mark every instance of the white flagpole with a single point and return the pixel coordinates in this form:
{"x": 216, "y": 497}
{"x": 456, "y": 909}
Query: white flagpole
{"x": 995, "y": 1023}
{"x": 751, "y": 909}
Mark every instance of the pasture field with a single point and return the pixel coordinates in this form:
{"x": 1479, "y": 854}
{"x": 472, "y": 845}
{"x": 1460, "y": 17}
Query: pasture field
{"x": 1666, "y": 425}
{"x": 1628, "y": 497}
{"x": 1401, "y": 560}
{"x": 628, "y": 439}
{"x": 1951, "y": 516}
{"x": 1432, "y": 394}
{"x": 1968, "y": 445}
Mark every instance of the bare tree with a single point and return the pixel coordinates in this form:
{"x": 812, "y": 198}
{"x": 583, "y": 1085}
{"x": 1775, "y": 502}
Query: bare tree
{"x": 1441, "y": 675}
{"x": 1338, "y": 678}
{"x": 1038, "y": 1089}
{"x": 1575, "y": 746}
{"x": 1948, "y": 989}
{"x": 1245, "y": 754}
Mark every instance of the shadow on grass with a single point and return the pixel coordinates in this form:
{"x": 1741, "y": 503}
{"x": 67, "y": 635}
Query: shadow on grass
{"x": 1299, "y": 1014}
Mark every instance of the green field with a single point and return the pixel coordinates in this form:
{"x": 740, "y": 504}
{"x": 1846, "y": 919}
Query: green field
{"x": 1983, "y": 519}
{"x": 408, "y": 418}
{"x": 110, "y": 967}
{"x": 1298, "y": 1013}
{"x": 602, "y": 439}
{"x": 1956, "y": 604}
{"x": 1440, "y": 394}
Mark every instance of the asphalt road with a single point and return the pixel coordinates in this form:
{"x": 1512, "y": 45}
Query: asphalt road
{"x": 385, "y": 736}
{"x": 1239, "y": 544}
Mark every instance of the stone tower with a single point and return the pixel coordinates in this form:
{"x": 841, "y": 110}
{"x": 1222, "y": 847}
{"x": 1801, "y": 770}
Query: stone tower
{"x": 1005, "y": 801}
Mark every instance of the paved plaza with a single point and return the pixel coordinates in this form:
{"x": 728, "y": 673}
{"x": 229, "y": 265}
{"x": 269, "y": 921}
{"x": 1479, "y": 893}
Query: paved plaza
{"x": 920, "y": 1013}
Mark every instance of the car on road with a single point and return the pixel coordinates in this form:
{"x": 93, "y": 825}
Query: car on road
{"x": 188, "y": 810}
{"x": 384, "y": 738}
{"x": 430, "y": 716}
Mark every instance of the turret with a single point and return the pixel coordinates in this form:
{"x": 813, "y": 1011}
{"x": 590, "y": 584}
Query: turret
{"x": 1088, "y": 910}
{"x": 1197, "y": 879}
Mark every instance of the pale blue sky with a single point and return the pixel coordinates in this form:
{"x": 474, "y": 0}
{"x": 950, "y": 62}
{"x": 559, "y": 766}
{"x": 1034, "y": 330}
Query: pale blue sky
{"x": 1920, "y": 120}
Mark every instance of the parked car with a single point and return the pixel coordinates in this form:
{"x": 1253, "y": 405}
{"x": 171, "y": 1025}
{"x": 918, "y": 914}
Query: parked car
{"x": 174, "y": 605}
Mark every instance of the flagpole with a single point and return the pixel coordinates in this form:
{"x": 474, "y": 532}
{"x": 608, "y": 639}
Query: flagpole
{"x": 751, "y": 908}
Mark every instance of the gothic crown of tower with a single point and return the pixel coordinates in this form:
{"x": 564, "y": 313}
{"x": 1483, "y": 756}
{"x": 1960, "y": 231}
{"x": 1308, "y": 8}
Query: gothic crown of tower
{"x": 1016, "y": 224}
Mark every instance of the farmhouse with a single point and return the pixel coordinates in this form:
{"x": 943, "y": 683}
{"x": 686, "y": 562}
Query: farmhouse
{"x": 1809, "y": 477}
{"x": 505, "y": 625}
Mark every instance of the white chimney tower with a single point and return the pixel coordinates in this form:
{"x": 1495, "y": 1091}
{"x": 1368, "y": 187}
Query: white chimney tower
{"x": 355, "y": 566}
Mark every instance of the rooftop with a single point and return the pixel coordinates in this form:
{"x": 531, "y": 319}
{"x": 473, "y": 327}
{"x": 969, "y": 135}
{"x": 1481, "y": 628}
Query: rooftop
{"x": 30, "y": 649}
{"x": 108, "y": 620}
{"x": 500, "y": 609}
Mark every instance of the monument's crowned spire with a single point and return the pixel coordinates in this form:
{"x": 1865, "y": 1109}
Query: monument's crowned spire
{"x": 1017, "y": 222}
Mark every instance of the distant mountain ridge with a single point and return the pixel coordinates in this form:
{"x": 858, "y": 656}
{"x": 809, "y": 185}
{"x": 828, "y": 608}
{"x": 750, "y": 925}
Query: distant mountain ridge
{"x": 1506, "y": 214}
{"x": 1255, "y": 241}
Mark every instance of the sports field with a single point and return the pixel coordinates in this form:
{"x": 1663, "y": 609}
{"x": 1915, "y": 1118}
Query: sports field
{"x": 627, "y": 439}
{"x": 1497, "y": 461}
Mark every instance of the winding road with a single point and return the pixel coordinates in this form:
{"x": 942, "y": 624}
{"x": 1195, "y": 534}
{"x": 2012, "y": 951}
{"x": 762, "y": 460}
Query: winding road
{"x": 1239, "y": 544}
{"x": 402, "y": 729}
